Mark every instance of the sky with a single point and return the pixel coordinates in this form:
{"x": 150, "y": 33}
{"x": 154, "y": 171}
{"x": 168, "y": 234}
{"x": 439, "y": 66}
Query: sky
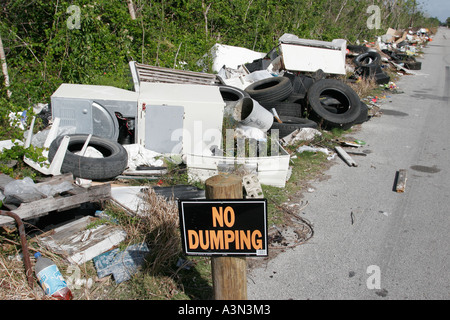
{"x": 436, "y": 8}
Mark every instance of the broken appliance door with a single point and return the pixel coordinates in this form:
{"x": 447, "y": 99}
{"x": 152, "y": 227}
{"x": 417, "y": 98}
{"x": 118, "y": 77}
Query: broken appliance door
{"x": 201, "y": 125}
{"x": 93, "y": 109}
{"x": 104, "y": 124}
{"x": 164, "y": 129}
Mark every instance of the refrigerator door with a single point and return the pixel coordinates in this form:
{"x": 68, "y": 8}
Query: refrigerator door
{"x": 164, "y": 129}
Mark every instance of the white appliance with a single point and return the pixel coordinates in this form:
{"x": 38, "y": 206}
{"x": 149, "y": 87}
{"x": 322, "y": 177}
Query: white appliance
{"x": 182, "y": 119}
{"x": 92, "y": 109}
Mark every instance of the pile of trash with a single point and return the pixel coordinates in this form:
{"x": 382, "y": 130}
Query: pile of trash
{"x": 317, "y": 87}
{"x": 182, "y": 116}
{"x": 299, "y": 92}
{"x": 397, "y": 49}
{"x": 241, "y": 116}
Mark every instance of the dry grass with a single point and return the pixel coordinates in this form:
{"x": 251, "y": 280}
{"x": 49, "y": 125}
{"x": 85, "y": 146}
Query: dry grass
{"x": 13, "y": 281}
{"x": 364, "y": 87}
{"x": 160, "y": 223}
{"x": 158, "y": 226}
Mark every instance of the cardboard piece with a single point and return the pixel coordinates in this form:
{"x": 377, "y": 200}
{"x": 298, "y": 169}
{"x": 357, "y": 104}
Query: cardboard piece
{"x": 122, "y": 264}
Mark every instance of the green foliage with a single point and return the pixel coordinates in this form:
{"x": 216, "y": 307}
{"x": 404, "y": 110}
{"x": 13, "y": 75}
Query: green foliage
{"x": 17, "y": 153}
{"x": 43, "y": 49}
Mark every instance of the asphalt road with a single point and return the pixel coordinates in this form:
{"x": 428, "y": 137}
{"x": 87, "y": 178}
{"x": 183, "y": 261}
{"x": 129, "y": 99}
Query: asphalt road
{"x": 372, "y": 243}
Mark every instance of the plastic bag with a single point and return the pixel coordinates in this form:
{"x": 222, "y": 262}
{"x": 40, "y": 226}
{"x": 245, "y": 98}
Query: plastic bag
{"x": 20, "y": 187}
{"x": 39, "y": 138}
{"x": 51, "y": 190}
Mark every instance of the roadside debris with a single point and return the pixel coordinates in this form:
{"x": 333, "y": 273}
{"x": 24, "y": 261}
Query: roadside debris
{"x": 346, "y": 157}
{"x": 242, "y": 117}
{"x": 296, "y": 93}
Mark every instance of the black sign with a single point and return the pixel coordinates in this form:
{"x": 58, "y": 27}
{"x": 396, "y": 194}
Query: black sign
{"x": 224, "y": 227}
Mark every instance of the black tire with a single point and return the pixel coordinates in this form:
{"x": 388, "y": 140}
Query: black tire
{"x": 296, "y": 98}
{"x": 113, "y": 163}
{"x": 367, "y": 59}
{"x": 300, "y": 83}
{"x": 289, "y": 109}
{"x": 290, "y": 124}
{"x": 403, "y": 57}
{"x": 363, "y": 115}
{"x": 413, "y": 65}
{"x": 345, "y": 112}
{"x": 232, "y": 94}
{"x": 357, "y": 49}
{"x": 270, "y": 89}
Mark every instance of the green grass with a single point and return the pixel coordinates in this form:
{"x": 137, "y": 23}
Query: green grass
{"x": 194, "y": 283}
{"x": 305, "y": 168}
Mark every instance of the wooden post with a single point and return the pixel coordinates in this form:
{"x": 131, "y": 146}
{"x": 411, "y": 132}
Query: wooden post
{"x": 229, "y": 274}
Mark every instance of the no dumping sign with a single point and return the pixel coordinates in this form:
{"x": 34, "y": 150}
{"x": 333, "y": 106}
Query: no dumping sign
{"x": 224, "y": 227}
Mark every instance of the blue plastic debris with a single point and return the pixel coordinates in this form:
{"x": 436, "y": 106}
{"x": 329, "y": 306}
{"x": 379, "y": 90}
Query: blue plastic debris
{"x": 122, "y": 264}
{"x": 103, "y": 215}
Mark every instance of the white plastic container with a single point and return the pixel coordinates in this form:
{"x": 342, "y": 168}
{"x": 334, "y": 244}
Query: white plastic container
{"x": 250, "y": 113}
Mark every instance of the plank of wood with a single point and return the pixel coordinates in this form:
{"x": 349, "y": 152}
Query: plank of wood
{"x": 401, "y": 181}
{"x": 44, "y": 206}
{"x": 346, "y": 157}
{"x": 78, "y": 244}
{"x": 55, "y": 180}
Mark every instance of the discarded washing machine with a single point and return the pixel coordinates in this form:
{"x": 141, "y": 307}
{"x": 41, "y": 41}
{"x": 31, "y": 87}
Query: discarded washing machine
{"x": 103, "y": 111}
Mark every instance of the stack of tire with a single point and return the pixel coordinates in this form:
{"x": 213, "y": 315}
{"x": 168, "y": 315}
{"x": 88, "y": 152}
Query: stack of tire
{"x": 302, "y": 101}
{"x": 278, "y": 93}
{"x": 368, "y": 65}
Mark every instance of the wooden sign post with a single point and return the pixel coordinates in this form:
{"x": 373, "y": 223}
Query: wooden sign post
{"x": 228, "y": 228}
{"x": 229, "y": 274}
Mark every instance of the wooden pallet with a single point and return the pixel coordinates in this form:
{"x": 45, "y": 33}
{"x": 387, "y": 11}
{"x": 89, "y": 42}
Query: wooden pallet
{"x": 35, "y": 205}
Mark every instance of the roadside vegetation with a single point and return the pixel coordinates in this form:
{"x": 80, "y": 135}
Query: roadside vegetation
{"x": 44, "y": 48}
